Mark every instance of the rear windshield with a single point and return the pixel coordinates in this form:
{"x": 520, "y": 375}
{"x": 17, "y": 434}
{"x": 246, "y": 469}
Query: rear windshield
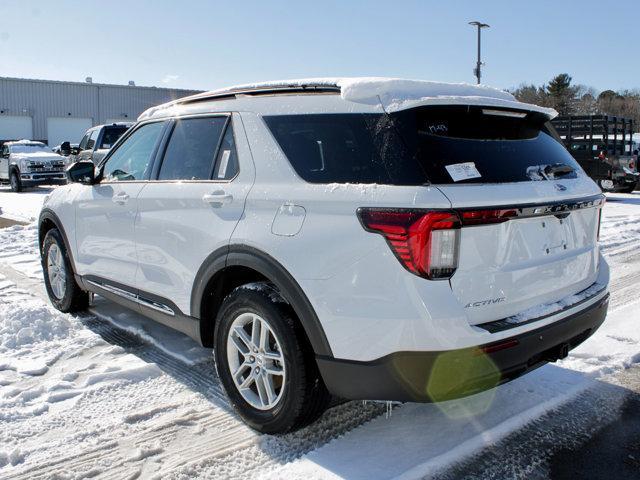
{"x": 111, "y": 135}
{"x": 442, "y": 145}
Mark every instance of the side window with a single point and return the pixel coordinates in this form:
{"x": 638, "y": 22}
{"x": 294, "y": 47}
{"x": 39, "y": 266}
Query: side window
{"x": 92, "y": 139}
{"x": 83, "y": 142}
{"x": 227, "y": 161}
{"x": 191, "y": 149}
{"x": 132, "y": 159}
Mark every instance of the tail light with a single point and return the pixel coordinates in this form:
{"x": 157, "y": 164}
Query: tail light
{"x": 484, "y": 217}
{"x": 426, "y": 243}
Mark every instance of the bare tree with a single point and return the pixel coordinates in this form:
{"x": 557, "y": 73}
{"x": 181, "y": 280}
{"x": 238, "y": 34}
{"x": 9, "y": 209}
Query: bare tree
{"x": 579, "y": 99}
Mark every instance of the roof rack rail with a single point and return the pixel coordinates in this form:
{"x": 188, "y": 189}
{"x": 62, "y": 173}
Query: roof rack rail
{"x": 260, "y": 90}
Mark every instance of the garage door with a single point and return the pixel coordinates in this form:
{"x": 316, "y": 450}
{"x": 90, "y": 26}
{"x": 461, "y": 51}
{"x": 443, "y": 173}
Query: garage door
{"x": 16, "y": 127}
{"x": 66, "y": 129}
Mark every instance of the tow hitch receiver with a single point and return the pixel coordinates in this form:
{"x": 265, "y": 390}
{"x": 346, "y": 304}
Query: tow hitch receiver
{"x": 558, "y": 353}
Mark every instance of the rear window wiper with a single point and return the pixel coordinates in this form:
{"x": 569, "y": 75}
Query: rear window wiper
{"x": 557, "y": 170}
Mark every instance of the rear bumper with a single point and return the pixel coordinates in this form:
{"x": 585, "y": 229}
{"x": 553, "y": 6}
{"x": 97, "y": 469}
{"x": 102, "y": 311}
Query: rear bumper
{"x": 444, "y": 375}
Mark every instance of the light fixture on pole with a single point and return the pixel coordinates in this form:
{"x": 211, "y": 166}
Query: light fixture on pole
{"x": 477, "y": 71}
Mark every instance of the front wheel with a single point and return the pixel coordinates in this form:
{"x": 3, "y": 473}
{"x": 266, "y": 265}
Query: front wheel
{"x": 14, "y": 181}
{"x": 65, "y": 294}
{"x": 265, "y": 363}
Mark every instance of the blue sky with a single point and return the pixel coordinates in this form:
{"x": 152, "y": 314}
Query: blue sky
{"x": 209, "y": 44}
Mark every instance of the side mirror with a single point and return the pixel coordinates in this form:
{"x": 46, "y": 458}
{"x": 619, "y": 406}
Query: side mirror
{"x": 65, "y": 149}
{"x": 81, "y": 172}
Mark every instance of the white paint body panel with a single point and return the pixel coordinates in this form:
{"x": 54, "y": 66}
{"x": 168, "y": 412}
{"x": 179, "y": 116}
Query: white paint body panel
{"x": 176, "y": 230}
{"x": 526, "y": 261}
{"x": 105, "y": 240}
{"x": 369, "y": 305}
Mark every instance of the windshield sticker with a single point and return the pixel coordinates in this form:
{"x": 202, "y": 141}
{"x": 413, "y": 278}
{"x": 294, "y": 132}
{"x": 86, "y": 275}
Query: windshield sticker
{"x": 462, "y": 171}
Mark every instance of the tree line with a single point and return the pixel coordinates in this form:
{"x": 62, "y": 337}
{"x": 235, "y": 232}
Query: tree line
{"x": 575, "y": 99}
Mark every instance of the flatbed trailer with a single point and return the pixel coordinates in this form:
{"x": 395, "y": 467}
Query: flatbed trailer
{"x": 602, "y": 145}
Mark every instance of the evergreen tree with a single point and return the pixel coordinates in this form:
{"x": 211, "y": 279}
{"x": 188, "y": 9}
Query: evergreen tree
{"x": 561, "y": 93}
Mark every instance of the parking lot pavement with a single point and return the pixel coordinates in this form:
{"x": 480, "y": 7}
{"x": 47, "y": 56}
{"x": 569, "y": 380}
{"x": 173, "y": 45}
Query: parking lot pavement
{"x": 594, "y": 436}
{"x": 614, "y": 450}
{"x": 9, "y": 222}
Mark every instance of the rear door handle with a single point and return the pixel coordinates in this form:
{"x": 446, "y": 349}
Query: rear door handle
{"x": 217, "y": 199}
{"x": 121, "y": 198}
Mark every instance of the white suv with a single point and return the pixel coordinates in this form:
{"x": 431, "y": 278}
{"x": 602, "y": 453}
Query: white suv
{"x": 363, "y": 238}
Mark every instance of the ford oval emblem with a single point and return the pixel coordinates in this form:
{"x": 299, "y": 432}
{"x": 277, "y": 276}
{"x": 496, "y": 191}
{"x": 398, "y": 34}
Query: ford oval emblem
{"x": 560, "y": 187}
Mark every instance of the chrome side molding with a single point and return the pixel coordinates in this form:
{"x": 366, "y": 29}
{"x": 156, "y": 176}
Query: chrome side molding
{"x": 160, "y": 307}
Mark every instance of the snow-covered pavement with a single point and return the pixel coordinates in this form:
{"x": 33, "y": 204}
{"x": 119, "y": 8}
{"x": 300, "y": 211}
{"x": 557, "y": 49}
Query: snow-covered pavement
{"x": 113, "y": 395}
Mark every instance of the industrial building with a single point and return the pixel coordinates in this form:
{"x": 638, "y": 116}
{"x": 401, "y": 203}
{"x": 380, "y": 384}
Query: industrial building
{"x": 55, "y": 111}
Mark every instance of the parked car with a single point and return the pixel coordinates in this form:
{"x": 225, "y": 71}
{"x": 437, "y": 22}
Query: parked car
{"x": 97, "y": 142}
{"x": 327, "y": 244}
{"x": 25, "y": 163}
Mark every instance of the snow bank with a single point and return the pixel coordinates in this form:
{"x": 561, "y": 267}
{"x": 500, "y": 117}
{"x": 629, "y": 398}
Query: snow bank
{"x": 30, "y": 323}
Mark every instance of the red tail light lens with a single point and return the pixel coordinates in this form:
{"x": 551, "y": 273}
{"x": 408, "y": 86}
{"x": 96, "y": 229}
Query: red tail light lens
{"x": 484, "y": 217}
{"x": 426, "y": 243}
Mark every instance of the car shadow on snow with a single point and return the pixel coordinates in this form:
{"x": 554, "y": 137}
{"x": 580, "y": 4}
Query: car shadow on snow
{"x": 552, "y": 423}
{"x": 195, "y": 369}
{"x": 412, "y": 438}
{"x": 595, "y": 434}
{"x": 629, "y": 198}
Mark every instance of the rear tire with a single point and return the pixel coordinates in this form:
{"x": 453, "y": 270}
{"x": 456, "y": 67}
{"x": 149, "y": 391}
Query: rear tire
{"x": 14, "y": 181}
{"x": 299, "y": 394}
{"x": 65, "y": 294}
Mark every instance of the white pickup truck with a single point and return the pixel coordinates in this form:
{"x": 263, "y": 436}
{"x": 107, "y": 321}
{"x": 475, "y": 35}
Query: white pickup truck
{"x": 26, "y": 163}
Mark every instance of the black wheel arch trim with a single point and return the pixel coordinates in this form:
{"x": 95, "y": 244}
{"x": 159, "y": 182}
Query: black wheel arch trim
{"x": 49, "y": 215}
{"x": 261, "y": 262}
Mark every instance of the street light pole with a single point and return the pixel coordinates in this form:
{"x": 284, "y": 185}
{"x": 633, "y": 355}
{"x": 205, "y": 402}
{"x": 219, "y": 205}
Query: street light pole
{"x": 477, "y": 71}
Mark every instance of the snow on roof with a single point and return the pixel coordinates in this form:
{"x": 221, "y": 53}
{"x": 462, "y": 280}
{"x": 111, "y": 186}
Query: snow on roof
{"x": 394, "y": 93}
{"x": 400, "y": 94}
{"x": 24, "y": 141}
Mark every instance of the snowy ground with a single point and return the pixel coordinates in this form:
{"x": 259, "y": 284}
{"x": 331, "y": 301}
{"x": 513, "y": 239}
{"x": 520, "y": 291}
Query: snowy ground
{"x": 113, "y": 395}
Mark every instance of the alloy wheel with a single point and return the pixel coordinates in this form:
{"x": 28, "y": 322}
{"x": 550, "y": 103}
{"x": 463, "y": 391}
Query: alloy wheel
{"x": 56, "y": 271}
{"x": 255, "y": 361}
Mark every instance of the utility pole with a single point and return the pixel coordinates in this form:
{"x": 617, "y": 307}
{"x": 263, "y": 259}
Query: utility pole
{"x": 477, "y": 71}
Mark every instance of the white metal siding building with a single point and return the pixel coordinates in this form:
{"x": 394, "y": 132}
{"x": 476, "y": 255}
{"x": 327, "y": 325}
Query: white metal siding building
{"x": 55, "y": 111}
